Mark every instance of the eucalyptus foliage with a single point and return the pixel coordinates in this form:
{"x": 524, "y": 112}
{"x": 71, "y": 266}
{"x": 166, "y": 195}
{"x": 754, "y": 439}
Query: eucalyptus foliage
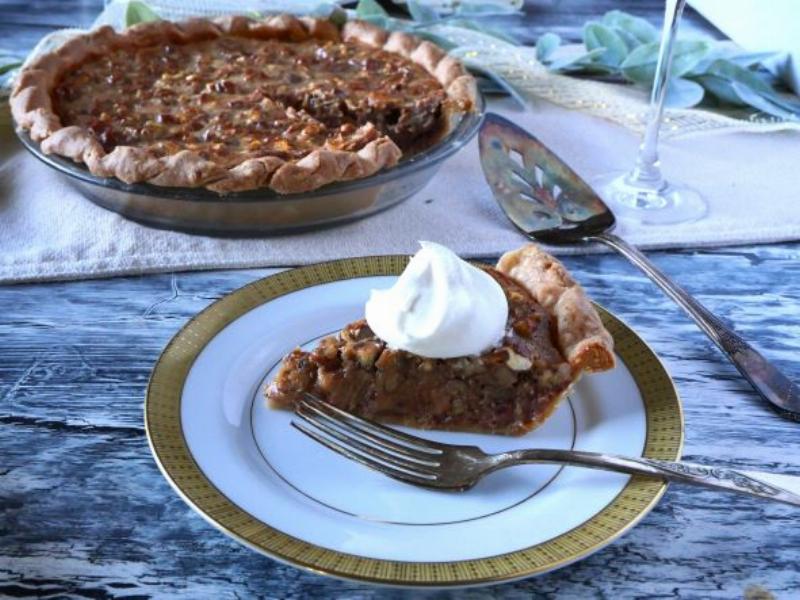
{"x": 139, "y": 12}
{"x": 621, "y": 45}
{"x": 423, "y": 18}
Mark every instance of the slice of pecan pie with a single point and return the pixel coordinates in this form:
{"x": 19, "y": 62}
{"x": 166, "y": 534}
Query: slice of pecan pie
{"x": 236, "y": 103}
{"x": 553, "y": 335}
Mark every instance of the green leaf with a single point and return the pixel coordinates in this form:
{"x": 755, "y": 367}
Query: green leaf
{"x": 640, "y": 65}
{"x": 546, "y": 45}
{"x": 5, "y": 68}
{"x": 742, "y": 59}
{"x": 369, "y": 8}
{"x": 333, "y": 12}
{"x": 612, "y": 18}
{"x": 622, "y": 44}
{"x": 686, "y": 54}
{"x": 630, "y": 40}
{"x": 736, "y": 74}
{"x": 702, "y": 67}
{"x": 737, "y": 93}
{"x": 732, "y": 71}
{"x": 422, "y": 13}
{"x": 751, "y": 59}
{"x": 762, "y": 103}
{"x": 597, "y": 36}
{"x": 338, "y": 16}
{"x": 721, "y": 88}
{"x": 139, "y": 12}
{"x": 578, "y": 63}
{"x": 638, "y": 28}
{"x": 682, "y": 93}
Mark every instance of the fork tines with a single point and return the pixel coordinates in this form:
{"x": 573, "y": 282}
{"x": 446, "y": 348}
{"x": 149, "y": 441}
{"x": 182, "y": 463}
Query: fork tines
{"x": 391, "y": 452}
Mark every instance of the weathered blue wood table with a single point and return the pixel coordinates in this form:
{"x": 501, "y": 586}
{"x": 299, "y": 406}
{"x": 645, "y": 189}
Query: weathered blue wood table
{"x": 85, "y": 513}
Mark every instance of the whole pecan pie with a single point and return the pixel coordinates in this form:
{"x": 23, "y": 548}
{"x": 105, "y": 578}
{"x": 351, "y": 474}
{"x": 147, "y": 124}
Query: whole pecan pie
{"x": 553, "y": 335}
{"x": 235, "y": 103}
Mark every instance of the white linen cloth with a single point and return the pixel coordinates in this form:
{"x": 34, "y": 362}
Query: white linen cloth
{"x": 48, "y": 231}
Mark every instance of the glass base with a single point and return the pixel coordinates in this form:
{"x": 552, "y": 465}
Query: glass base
{"x": 671, "y": 203}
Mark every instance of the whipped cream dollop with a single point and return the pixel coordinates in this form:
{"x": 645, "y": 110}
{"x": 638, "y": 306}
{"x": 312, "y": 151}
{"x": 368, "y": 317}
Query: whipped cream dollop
{"x": 440, "y": 307}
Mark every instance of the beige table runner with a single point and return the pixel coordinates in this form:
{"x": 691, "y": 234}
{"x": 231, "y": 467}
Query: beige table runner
{"x": 48, "y": 231}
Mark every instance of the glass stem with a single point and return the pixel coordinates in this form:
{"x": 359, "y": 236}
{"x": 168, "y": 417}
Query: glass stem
{"x": 647, "y": 172}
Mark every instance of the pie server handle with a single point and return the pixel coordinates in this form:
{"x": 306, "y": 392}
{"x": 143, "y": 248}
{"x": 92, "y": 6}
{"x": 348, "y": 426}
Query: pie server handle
{"x": 763, "y": 375}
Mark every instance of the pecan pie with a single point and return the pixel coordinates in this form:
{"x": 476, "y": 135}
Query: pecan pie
{"x": 553, "y": 335}
{"x": 236, "y": 103}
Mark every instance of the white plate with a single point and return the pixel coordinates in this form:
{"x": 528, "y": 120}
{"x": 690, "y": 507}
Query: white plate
{"x": 245, "y": 469}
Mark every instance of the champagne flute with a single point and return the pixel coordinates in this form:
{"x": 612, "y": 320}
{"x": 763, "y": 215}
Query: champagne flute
{"x": 643, "y": 195}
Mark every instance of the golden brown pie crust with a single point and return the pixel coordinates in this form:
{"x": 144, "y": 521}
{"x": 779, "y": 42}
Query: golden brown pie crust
{"x": 581, "y": 336}
{"x": 33, "y": 107}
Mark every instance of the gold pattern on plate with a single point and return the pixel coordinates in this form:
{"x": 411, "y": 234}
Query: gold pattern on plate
{"x": 664, "y": 440}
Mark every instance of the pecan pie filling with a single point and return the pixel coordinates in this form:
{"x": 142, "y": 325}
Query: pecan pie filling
{"x": 233, "y": 98}
{"x": 233, "y": 104}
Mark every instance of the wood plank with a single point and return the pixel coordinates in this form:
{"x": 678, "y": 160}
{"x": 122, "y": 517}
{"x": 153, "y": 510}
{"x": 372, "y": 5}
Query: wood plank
{"x": 90, "y": 513}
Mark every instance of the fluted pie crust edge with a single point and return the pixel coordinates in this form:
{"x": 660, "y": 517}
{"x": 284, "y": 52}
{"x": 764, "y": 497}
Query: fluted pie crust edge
{"x": 580, "y": 334}
{"x": 33, "y": 110}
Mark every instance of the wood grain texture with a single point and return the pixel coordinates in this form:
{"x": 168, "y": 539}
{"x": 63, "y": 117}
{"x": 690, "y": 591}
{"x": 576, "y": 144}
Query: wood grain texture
{"x": 84, "y": 510}
{"x": 85, "y": 513}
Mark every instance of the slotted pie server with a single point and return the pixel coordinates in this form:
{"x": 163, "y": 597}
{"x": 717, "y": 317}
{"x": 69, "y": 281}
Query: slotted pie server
{"x": 549, "y": 203}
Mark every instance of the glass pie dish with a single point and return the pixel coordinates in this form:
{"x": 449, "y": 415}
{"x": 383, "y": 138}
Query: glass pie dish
{"x": 263, "y": 211}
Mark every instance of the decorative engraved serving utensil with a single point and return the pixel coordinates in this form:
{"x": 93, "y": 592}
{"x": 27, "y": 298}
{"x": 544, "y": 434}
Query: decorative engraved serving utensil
{"x": 548, "y": 202}
{"x": 429, "y": 464}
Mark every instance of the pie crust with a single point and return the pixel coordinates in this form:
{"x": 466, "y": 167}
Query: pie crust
{"x": 553, "y": 335}
{"x": 312, "y": 154}
{"x": 580, "y": 334}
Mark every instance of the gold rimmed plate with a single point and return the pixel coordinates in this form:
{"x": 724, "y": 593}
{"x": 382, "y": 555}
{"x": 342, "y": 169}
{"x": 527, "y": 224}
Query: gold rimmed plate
{"x": 242, "y": 467}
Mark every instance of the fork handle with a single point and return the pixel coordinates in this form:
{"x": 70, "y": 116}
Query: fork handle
{"x": 751, "y": 483}
{"x": 763, "y": 375}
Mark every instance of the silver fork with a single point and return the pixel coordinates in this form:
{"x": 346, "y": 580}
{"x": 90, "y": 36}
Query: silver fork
{"x": 430, "y": 464}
